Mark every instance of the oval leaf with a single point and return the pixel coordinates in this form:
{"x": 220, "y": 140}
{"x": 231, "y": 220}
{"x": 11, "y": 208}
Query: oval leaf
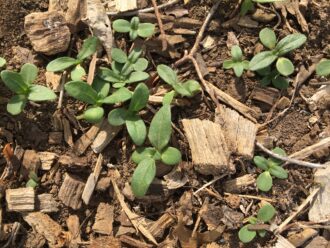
{"x": 121, "y": 95}
{"x": 146, "y": 30}
{"x": 141, "y": 64}
{"x": 289, "y": 43}
{"x": 322, "y": 68}
{"x": 168, "y": 97}
{"x": 278, "y": 171}
{"x": 41, "y": 93}
{"x": 118, "y": 55}
{"x": 140, "y": 98}
{"x": 265, "y": 181}
{"x": 268, "y": 38}
{"x": 61, "y": 64}
{"x": 142, "y": 153}
{"x": 136, "y": 128}
{"x": 262, "y": 60}
{"x": 15, "y": 82}
{"x": 121, "y": 26}
{"x": 167, "y": 74}
{"x": 29, "y": 73}
{"x": 245, "y": 235}
{"x": 78, "y": 73}
{"x": 261, "y": 162}
{"x": 135, "y": 55}
{"x": 280, "y": 82}
{"x": 238, "y": 69}
{"x": 101, "y": 86}
{"x": 137, "y": 76}
{"x": 192, "y": 86}
{"x": 109, "y": 75}
{"x": 236, "y": 53}
{"x": 88, "y": 48}
{"x": 16, "y": 104}
{"x": 81, "y": 91}
{"x": 284, "y": 66}
{"x": 171, "y": 156}
{"x": 143, "y": 176}
{"x": 266, "y": 213}
{"x": 278, "y": 151}
{"x": 228, "y": 64}
{"x": 117, "y": 117}
{"x": 93, "y": 114}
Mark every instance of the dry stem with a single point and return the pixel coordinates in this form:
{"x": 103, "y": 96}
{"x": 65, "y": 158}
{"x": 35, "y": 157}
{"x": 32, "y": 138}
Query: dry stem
{"x": 160, "y": 24}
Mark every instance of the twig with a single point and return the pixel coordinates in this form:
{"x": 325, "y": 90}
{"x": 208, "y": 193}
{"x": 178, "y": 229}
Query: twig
{"x": 289, "y": 160}
{"x": 146, "y": 10}
{"x": 199, "y": 217}
{"x": 320, "y": 83}
{"x": 282, "y": 227}
{"x": 258, "y": 227}
{"x": 63, "y": 81}
{"x": 253, "y": 197}
{"x": 209, "y": 183}
{"x": 160, "y": 24}
{"x": 91, "y": 69}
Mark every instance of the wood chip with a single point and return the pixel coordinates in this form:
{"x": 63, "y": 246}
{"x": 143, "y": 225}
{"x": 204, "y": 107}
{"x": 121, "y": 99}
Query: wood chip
{"x": 71, "y": 191}
{"x": 262, "y": 15}
{"x": 105, "y": 242}
{"x": 158, "y": 227}
{"x": 125, "y": 5}
{"x": 300, "y": 238}
{"x": 282, "y": 243}
{"x": 266, "y": 95}
{"x": 134, "y": 242}
{"x": 47, "y": 32}
{"x": 307, "y": 151}
{"x": 53, "y": 80}
{"x": 46, "y": 203}
{"x": 74, "y": 13}
{"x": 55, "y": 138}
{"x": 74, "y": 228}
{"x": 67, "y": 132}
{"x": 21, "y": 199}
{"x": 318, "y": 242}
{"x": 47, "y": 159}
{"x": 239, "y": 184}
{"x": 105, "y": 136}
{"x": 103, "y": 219}
{"x": 31, "y": 163}
{"x": 210, "y": 154}
{"x": 321, "y": 99}
{"x": 73, "y": 161}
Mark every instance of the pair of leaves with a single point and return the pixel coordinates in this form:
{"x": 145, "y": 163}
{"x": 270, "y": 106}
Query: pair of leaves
{"x": 323, "y": 68}
{"x": 134, "y": 124}
{"x": 22, "y": 84}
{"x": 134, "y": 28}
{"x": 89, "y": 47}
{"x": 273, "y": 77}
{"x": 236, "y": 63}
{"x": 188, "y": 88}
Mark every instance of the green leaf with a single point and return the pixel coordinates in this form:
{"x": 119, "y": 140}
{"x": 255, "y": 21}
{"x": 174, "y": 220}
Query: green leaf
{"x": 279, "y": 151}
{"x": 142, "y": 153}
{"x": 246, "y": 64}
{"x": 31, "y": 184}
{"x": 143, "y": 176}
{"x": 121, "y": 26}
{"x": 135, "y": 54}
{"x": 160, "y": 128}
{"x": 171, "y": 156}
{"x": 278, "y": 171}
{"x": 2, "y": 62}
{"x": 137, "y": 76}
{"x": 192, "y": 86}
{"x": 246, "y": 6}
{"x": 16, "y": 104}
{"x": 33, "y": 176}
{"x": 140, "y": 98}
{"x": 135, "y": 21}
{"x": 252, "y": 220}
{"x": 15, "y": 82}
{"x": 136, "y": 128}
{"x": 61, "y": 64}
{"x": 261, "y": 162}
{"x": 268, "y": 38}
{"x": 266, "y": 213}
{"x": 109, "y": 75}
{"x": 29, "y": 73}
{"x": 93, "y": 114}
{"x": 101, "y": 86}
{"x": 262, "y": 233}
{"x": 81, "y": 91}
{"x": 133, "y": 34}
{"x": 141, "y": 64}
{"x": 238, "y": 69}
{"x": 289, "y": 43}
{"x": 265, "y": 181}
{"x": 228, "y": 64}
{"x": 40, "y": 93}
{"x": 167, "y": 74}
{"x": 280, "y": 82}
{"x": 236, "y": 53}
{"x": 168, "y": 97}
{"x": 89, "y": 47}
{"x": 78, "y": 73}
{"x": 284, "y": 66}
{"x": 116, "y": 67}
{"x": 265, "y": 81}
{"x": 146, "y": 30}
{"x": 118, "y": 85}
{"x": 117, "y": 117}
{"x": 118, "y": 55}
{"x": 264, "y": 71}
{"x": 262, "y": 60}
{"x": 120, "y": 95}
{"x": 245, "y": 235}
{"x": 322, "y": 68}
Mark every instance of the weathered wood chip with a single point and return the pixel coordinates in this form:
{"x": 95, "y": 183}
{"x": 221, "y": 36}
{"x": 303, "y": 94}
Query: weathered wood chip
{"x": 103, "y": 219}
{"x": 158, "y": 227}
{"x": 300, "y": 238}
{"x": 104, "y": 137}
{"x": 239, "y": 184}
{"x": 105, "y": 242}
{"x": 47, "y": 159}
{"x": 71, "y": 191}
{"x": 31, "y": 163}
{"x": 318, "y": 242}
{"x": 74, "y": 228}
{"x": 67, "y": 132}
{"x": 53, "y": 80}
{"x": 55, "y": 138}
{"x": 266, "y": 95}
{"x": 125, "y": 5}
{"x": 46, "y": 203}
{"x": 21, "y": 199}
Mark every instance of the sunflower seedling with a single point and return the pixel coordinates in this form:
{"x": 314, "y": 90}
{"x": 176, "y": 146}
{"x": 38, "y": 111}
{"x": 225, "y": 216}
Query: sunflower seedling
{"x": 125, "y": 69}
{"x": 60, "y": 64}
{"x": 95, "y": 95}
{"x": 146, "y": 158}
{"x": 187, "y": 88}
{"x": 273, "y": 77}
{"x": 130, "y": 116}
{"x": 33, "y": 180}
{"x": 264, "y": 215}
{"x": 236, "y": 63}
{"x": 22, "y": 84}
{"x": 134, "y": 28}
{"x": 271, "y": 167}
{"x": 323, "y": 68}
{"x": 277, "y": 49}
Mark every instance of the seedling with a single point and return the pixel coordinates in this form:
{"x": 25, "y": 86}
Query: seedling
{"x": 236, "y": 63}
{"x": 277, "y": 49}
{"x": 22, "y": 84}
{"x": 248, "y": 5}
{"x": 271, "y": 167}
{"x": 147, "y": 157}
{"x": 323, "y": 68}
{"x": 134, "y": 28}
{"x": 95, "y": 95}
{"x": 272, "y": 77}
{"x": 2, "y": 62}
{"x": 187, "y": 88}
{"x": 125, "y": 69}
{"x": 33, "y": 180}
{"x": 264, "y": 215}
{"x": 60, "y": 64}
{"x": 130, "y": 116}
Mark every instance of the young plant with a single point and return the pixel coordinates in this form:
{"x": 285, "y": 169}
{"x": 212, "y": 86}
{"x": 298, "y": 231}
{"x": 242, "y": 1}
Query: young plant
{"x": 125, "y": 69}
{"x": 264, "y": 215}
{"x": 147, "y": 157}
{"x": 271, "y": 167}
{"x": 277, "y": 49}
{"x": 134, "y": 28}
{"x": 248, "y": 5}
{"x": 187, "y": 88}
{"x": 2, "y": 62}
{"x": 323, "y": 68}
{"x": 22, "y": 84}
{"x": 60, "y": 64}
{"x": 34, "y": 180}
{"x": 236, "y": 63}
{"x": 95, "y": 95}
{"x": 130, "y": 116}
{"x": 273, "y": 77}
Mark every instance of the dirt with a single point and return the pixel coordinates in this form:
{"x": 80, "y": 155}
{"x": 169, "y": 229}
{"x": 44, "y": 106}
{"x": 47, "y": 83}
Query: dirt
{"x": 292, "y": 132}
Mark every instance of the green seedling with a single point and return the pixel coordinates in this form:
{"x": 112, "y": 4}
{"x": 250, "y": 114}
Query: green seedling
{"x": 134, "y": 28}
{"x": 22, "y": 84}
{"x": 130, "y": 116}
{"x": 60, "y": 64}
{"x": 271, "y": 167}
{"x": 96, "y": 95}
{"x": 125, "y": 69}
{"x": 277, "y": 49}
{"x": 187, "y": 88}
{"x": 273, "y": 77}
{"x": 264, "y": 215}
{"x": 33, "y": 181}
{"x": 146, "y": 158}
{"x": 2, "y": 62}
{"x": 323, "y": 68}
{"x": 236, "y": 63}
{"x": 248, "y": 5}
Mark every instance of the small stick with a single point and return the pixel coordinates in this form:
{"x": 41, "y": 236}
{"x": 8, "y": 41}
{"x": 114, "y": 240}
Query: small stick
{"x": 258, "y": 227}
{"x": 63, "y": 81}
{"x": 209, "y": 183}
{"x": 91, "y": 69}
{"x": 253, "y": 197}
{"x": 320, "y": 83}
{"x": 160, "y": 24}
{"x": 289, "y": 160}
